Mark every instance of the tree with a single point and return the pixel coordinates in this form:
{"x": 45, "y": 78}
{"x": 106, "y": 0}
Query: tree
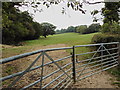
{"x": 48, "y": 29}
{"x": 17, "y": 25}
{"x": 38, "y": 30}
{"x": 71, "y": 29}
{"x": 58, "y": 31}
{"x": 81, "y": 29}
{"x": 93, "y": 28}
{"x": 111, "y": 17}
{"x": 110, "y": 12}
{"x": 111, "y": 28}
{"x": 63, "y": 30}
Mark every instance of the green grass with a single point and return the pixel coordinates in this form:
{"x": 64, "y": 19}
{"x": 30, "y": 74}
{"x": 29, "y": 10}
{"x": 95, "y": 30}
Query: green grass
{"x": 116, "y": 72}
{"x": 66, "y": 38}
{"x": 69, "y": 39}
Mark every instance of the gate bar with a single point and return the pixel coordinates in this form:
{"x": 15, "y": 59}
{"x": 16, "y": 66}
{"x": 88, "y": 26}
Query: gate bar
{"x": 92, "y": 62}
{"x": 5, "y": 60}
{"x": 99, "y": 68}
{"x": 95, "y": 65}
{"x": 97, "y": 72}
{"x": 96, "y": 58}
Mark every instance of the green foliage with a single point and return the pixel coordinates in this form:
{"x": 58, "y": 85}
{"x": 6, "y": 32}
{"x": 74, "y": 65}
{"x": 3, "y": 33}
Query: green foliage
{"x": 59, "y": 31}
{"x": 81, "y": 29}
{"x": 38, "y": 30}
{"x": 14, "y": 29}
{"x": 116, "y": 73}
{"x": 19, "y": 26}
{"x": 110, "y": 12}
{"x": 48, "y": 29}
{"x": 111, "y": 28}
{"x": 91, "y": 29}
{"x": 94, "y": 12}
{"x": 69, "y": 29}
{"x": 104, "y": 38}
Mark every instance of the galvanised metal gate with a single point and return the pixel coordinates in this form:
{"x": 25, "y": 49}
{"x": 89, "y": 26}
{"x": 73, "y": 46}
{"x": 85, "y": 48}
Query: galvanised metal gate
{"x": 74, "y": 70}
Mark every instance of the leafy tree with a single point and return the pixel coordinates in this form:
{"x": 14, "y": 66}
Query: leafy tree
{"x": 111, "y": 28}
{"x": 81, "y": 29}
{"x": 17, "y": 25}
{"x": 110, "y": 12}
{"x": 38, "y": 30}
{"x": 111, "y": 17}
{"x": 71, "y": 29}
{"x": 58, "y": 31}
{"x": 63, "y": 30}
{"x": 93, "y": 28}
{"x": 48, "y": 29}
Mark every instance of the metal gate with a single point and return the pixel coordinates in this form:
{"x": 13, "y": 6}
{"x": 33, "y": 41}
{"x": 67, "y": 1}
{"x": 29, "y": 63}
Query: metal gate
{"x": 57, "y": 74}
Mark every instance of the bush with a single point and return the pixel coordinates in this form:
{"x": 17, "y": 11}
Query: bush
{"x": 105, "y": 38}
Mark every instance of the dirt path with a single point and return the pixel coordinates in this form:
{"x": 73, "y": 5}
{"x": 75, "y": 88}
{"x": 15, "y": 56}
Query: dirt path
{"x": 101, "y": 80}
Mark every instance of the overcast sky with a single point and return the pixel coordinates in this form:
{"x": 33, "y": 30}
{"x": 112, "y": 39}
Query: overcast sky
{"x": 54, "y": 16}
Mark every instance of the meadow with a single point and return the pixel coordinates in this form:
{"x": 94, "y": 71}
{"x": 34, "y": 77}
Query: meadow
{"x": 66, "y": 38}
{"x": 70, "y": 39}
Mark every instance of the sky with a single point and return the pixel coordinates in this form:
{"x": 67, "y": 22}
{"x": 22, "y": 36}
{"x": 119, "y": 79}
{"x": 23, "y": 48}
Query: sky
{"x": 54, "y": 16}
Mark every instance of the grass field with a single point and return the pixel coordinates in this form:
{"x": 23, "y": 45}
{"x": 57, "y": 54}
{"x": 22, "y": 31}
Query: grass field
{"x": 69, "y": 39}
{"x": 66, "y": 38}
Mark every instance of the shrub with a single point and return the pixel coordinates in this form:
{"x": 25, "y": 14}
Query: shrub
{"x": 104, "y": 38}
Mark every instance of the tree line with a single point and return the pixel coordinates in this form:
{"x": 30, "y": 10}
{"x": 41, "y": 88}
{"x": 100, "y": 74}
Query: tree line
{"x": 111, "y": 26}
{"x": 82, "y": 29}
{"x": 18, "y": 26}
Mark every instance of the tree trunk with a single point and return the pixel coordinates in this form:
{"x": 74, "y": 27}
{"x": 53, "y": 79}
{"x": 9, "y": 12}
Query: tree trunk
{"x": 45, "y": 36}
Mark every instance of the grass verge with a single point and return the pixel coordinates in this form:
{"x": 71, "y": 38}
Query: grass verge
{"x": 116, "y": 72}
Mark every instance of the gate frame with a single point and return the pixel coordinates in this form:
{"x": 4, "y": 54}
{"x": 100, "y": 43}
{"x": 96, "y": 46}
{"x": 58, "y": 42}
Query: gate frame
{"x": 43, "y": 53}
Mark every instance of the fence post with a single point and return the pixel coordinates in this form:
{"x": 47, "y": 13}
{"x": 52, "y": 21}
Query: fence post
{"x": 73, "y": 63}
